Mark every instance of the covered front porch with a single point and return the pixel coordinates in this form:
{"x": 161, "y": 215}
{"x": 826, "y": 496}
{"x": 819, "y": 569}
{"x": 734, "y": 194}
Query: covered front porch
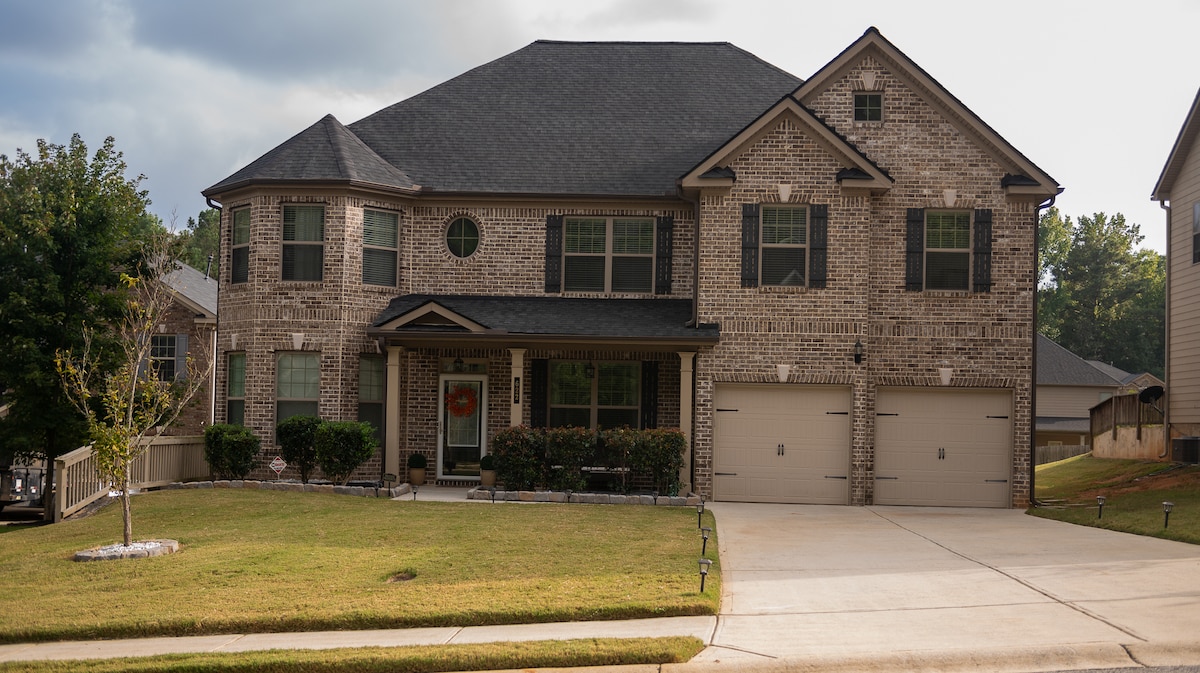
{"x": 460, "y": 369}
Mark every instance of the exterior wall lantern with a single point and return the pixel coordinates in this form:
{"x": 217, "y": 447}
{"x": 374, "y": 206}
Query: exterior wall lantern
{"x": 858, "y": 351}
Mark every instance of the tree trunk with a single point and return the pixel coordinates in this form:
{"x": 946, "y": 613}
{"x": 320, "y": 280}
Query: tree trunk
{"x": 125, "y": 511}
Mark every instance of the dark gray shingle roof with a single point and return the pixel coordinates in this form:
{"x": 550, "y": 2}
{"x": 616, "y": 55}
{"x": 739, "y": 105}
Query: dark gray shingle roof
{"x": 1057, "y": 366}
{"x": 562, "y": 316}
{"x": 618, "y": 118}
{"x": 193, "y": 284}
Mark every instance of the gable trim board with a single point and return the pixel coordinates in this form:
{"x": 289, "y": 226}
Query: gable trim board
{"x": 813, "y": 359}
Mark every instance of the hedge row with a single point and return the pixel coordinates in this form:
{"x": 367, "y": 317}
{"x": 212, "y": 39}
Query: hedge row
{"x": 555, "y": 458}
{"x": 337, "y": 447}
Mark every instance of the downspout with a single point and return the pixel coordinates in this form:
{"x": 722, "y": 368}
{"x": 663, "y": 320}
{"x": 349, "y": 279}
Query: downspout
{"x": 212, "y": 394}
{"x": 1166, "y": 206}
{"x": 695, "y": 323}
{"x": 1037, "y": 223}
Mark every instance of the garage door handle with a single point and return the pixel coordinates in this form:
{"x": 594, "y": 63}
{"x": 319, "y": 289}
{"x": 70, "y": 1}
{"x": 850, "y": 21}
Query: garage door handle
{"x": 883, "y": 478}
{"x": 995, "y": 481}
{"x": 829, "y": 476}
{"x": 837, "y": 413}
{"x": 725, "y": 474}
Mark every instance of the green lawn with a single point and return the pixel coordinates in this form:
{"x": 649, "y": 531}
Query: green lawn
{"x": 262, "y": 561}
{"x": 481, "y": 657}
{"x": 1134, "y": 491}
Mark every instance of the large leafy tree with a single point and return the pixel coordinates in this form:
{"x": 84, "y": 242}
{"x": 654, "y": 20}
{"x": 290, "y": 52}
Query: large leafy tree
{"x": 1101, "y": 297}
{"x": 69, "y": 226}
{"x": 199, "y": 242}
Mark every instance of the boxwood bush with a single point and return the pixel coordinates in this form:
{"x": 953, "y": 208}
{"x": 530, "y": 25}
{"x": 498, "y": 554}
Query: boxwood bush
{"x": 568, "y": 451}
{"x": 230, "y": 450}
{"x": 520, "y": 457}
{"x": 342, "y": 446}
{"x": 297, "y": 439}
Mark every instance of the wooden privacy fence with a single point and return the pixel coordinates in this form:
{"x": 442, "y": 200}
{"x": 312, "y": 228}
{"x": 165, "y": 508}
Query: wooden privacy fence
{"x": 1057, "y": 452}
{"x": 1123, "y": 410}
{"x": 168, "y": 460}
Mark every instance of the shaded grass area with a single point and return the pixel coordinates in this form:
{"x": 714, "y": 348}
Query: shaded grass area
{"x": 424, "y": 659}
{"x": 270, "y": 561}
{"x": 1134, "y": 492}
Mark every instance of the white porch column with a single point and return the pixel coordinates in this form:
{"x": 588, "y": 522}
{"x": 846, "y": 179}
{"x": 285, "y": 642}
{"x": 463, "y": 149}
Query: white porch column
{"x": 392, "y": 412}
{"x": 687, "y": 394}
{"x": 517, "y": 369}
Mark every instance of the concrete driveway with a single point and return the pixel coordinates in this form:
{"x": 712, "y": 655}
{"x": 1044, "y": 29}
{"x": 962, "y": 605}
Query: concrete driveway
{"x": 854, "y": 587}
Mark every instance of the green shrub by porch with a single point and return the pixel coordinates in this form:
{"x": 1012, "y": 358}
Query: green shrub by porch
{"x": 230, "y": 450}
{"x": 555, "y": 457}
{"x": 568, "y": 451}
{"x": 297, "y": 439}
{"x": 342, "y": 446}
{"x": 520, "y": 457}
{"x": 659, "y": 453}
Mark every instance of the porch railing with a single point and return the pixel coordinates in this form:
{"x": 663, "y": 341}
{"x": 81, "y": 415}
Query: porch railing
{"x": 168, "y": 460}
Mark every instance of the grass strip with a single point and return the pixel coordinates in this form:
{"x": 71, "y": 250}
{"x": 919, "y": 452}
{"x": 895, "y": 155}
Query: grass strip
{"x": 1134, "y": 492}
{"x": 418, "y": 659}
{"x": 271, "y": 561}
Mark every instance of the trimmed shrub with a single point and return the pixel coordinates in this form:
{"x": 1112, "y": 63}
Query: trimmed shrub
{"x": 613, "y": 449}
{"x": 417, "y": 460}
{"x": 659, "y": 454}
{"x": 297, "y": 439}
{"x": 520, "y": 457}
{"x": 342, "y": 446}
{"x": 230, "y": 450}
{"x": 568, "y": 450}
{"x": 487, "y": 462}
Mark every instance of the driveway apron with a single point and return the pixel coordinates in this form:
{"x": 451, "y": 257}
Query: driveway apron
{"x": 818, "y": 582}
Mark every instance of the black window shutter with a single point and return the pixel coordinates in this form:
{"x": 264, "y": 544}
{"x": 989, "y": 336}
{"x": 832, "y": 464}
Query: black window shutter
{"x": 818, "y": 235}
{"x": 914, "y": 251}
{"x": 539, "y": 393}
{"x": 649, "y": 394}
{"x": 181, "y": 353}
{"x": 554, "y": 249}
{"x": 749, "y": 245}
{"x": 664, "y": 229}
{"x": 982, "y": 274}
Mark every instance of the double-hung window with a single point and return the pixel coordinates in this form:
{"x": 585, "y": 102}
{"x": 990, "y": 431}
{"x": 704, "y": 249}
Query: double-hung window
{"x": 371, "y": 392}
{"x": 784, "y": 246}
{"x": 303, "y": 242}
{"x": 241, "y": 246}
{"x": 235, "y": 390}
{"x": 949, "y": 250}
{"x": 608, "y": 254}
{"x": 595, "y": 394}
{"x": 163, "y": 356}
{"x": 381, "y": 237}
{"x": 297, "y": 385}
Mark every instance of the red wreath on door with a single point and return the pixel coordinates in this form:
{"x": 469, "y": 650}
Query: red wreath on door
{"x": 462, "y": 401}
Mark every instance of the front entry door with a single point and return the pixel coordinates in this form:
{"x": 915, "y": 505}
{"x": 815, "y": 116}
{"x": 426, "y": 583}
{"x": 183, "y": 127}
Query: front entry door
{"x": 462, "y": 436}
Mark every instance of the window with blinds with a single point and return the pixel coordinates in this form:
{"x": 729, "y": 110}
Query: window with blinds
{"x": 240, "y": 267}
{"x": 947, "y": 250}
{"x": 608, "y": 254}
{"x": 381, "y": 239}
{"x": 297, "y": 385}
{"x": 784, "y": 246}
{"x": 303, "y": 242}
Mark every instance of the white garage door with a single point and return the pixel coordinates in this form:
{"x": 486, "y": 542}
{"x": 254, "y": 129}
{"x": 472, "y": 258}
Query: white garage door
{"x": 782, "y": 443}
{"x": 943, "y": 447}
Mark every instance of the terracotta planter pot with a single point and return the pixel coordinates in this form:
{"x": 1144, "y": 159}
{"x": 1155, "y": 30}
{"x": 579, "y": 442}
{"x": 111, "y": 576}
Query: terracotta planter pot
{"x": 487, "y": 477}
{"x": 416, "y": 476}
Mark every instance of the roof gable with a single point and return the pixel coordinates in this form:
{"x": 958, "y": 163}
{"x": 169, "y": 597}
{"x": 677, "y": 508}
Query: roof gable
{"x": 1057, "y": 366}
{"x": 1025, "y": 180}
{"x": 858, "y": 172}
{"x": 1184, "y": 142}
{"x": 193, "y": 289}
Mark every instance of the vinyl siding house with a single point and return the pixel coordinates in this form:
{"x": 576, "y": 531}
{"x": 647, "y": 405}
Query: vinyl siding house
{"x": 827, "y": 284}
{"x": 1067, "y": 388}
{"x": 1178, "y": 192}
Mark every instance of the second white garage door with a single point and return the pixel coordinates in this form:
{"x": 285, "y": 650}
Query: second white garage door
{"x": 943, "y": 447}
{"x": 782, "y": 443}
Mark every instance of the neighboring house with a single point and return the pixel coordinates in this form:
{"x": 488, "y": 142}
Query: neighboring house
{"x": 827, "y": 284}
{"x": 1178, "y": 192}
{"x": 188, "y": 331}
{"x": 1067, "y": 388}
{"x": 1130, "y": 383}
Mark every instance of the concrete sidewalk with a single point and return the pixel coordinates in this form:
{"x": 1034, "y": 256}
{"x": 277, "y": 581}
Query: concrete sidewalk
{"x": 812, "y": 588}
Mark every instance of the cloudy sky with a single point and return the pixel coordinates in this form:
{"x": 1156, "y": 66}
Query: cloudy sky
{"x": 1093, "y": 91}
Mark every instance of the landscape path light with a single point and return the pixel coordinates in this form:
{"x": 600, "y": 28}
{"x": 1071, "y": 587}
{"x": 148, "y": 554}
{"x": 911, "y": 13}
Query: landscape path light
{"x": 704, "y": 565}
{"x": 416, "y": 487}
{"x": 704, "y": 545}
{"x": 1167, "y": 507}
{"x": 492, "y": 491}
{"x": 700, "y": 513}
{"x": 1100, "y": 501}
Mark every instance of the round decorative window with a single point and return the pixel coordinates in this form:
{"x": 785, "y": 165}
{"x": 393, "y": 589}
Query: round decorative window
{"x": 462, "y": 237}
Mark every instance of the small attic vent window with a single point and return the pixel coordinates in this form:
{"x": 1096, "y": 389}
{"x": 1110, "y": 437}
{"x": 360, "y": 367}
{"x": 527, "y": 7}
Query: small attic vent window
{"x": 868, "y": 107}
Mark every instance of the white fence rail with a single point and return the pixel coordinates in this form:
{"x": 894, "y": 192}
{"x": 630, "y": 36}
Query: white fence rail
{"x": 169, "y": 459}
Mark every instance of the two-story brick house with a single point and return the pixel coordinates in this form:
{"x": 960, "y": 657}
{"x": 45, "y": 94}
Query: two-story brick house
{"x": 827, "y": 284}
